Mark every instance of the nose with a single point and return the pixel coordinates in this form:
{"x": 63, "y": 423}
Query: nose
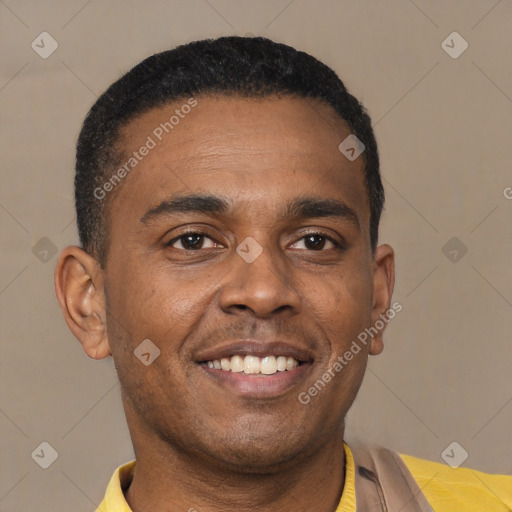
{"x": 264, "y": 287}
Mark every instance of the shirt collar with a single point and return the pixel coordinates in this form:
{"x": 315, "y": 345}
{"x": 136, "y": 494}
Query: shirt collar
{"x": 115, "y": 501}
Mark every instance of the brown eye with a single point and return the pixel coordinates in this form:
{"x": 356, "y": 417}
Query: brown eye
{"x": 191, "y": 241}
{"x": 315, "y": 242}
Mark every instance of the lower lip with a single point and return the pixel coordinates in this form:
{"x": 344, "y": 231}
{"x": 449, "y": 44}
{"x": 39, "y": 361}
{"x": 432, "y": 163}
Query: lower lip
{"x": 258, "y": 385}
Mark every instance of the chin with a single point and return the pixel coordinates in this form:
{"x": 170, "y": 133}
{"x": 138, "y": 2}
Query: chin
{"x": 254, "y": 458}
{"x": 257, "y": 450}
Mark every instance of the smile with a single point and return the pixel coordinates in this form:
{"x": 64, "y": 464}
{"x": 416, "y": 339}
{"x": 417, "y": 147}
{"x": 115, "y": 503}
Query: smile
{"x": 257, "y": 377}
{"x": 256, "y": 368}
{"x": 254, "y": 365}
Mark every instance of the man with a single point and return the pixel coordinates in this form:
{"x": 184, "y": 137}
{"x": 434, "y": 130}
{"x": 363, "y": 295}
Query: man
{"x": 228, "y": 200}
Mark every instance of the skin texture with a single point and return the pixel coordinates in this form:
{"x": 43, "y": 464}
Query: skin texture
{"x": 197, "y": 443}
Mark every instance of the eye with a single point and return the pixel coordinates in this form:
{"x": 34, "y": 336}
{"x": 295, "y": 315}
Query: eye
{"x": 316, "y": 242}
{"x": 196, "y": 240}
{"x": 192, "y": 241}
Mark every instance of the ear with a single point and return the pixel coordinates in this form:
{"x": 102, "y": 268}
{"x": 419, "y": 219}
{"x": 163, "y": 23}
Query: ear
{"x": 383, "y": 284}
{"x": 79, "y": 287}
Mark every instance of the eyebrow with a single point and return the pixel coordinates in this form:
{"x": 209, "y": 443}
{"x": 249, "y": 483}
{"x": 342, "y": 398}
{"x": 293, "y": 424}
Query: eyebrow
{"x": 299, "y": 208}
{"x": 315, "y": 207}
{"x": 205, "y": 204}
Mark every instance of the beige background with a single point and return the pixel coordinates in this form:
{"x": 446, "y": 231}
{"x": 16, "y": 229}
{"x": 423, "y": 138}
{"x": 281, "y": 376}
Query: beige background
{"x": 444, "y": 130}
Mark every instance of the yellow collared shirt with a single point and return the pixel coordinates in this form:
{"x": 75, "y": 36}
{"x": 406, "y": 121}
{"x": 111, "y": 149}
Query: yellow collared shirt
{"x": 446, "y": 489}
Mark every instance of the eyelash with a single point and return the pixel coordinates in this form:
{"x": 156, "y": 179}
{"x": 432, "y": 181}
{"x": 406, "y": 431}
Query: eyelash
{"x": 337, "y": 245}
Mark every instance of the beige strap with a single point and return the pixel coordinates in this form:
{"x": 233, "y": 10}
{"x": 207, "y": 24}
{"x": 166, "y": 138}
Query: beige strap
{"x": 384, "y": 483}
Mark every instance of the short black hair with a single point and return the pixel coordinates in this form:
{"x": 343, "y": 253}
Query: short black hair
{"x": 250, "y": 67}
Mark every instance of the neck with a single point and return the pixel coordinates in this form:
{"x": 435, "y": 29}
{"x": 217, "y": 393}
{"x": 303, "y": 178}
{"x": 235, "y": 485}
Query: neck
{"x": 166, "y": 479}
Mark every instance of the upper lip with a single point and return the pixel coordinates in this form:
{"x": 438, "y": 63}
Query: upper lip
{"x": 255, "y": 348}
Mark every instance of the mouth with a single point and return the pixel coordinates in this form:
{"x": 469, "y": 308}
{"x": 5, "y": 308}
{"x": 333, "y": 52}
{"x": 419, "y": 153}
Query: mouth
{"x": 256, "y": 369}
{"x": 254, "y": 365}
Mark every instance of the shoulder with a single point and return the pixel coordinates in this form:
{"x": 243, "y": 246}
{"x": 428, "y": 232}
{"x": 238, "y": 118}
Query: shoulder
{"x": 449, "y": 489}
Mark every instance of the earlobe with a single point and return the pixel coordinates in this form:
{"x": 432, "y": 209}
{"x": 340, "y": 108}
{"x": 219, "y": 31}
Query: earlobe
{"x": 383, "y": 284}
{"x": 377, "y": 344}
{"x": 80, "y": 291}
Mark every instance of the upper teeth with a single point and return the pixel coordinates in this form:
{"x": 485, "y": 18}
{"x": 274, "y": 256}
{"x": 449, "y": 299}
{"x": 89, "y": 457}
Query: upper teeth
{"x": 252, "y": 364}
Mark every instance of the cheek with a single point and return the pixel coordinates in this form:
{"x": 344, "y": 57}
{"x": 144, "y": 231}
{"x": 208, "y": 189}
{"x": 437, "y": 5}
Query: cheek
{"x": 150, "y": 306}
{"x": 166, "y": 309}
{"x": 342, "y": 305}
{"x": 342, "y": 309}
{"x": 152, "y": 302}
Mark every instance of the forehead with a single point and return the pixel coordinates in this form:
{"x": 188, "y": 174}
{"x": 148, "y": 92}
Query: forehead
{"x": 221, "y": 126}
{"x": 259, "y": 151}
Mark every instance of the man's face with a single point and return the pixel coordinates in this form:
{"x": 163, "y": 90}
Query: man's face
{"x": 308, "y": 294}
